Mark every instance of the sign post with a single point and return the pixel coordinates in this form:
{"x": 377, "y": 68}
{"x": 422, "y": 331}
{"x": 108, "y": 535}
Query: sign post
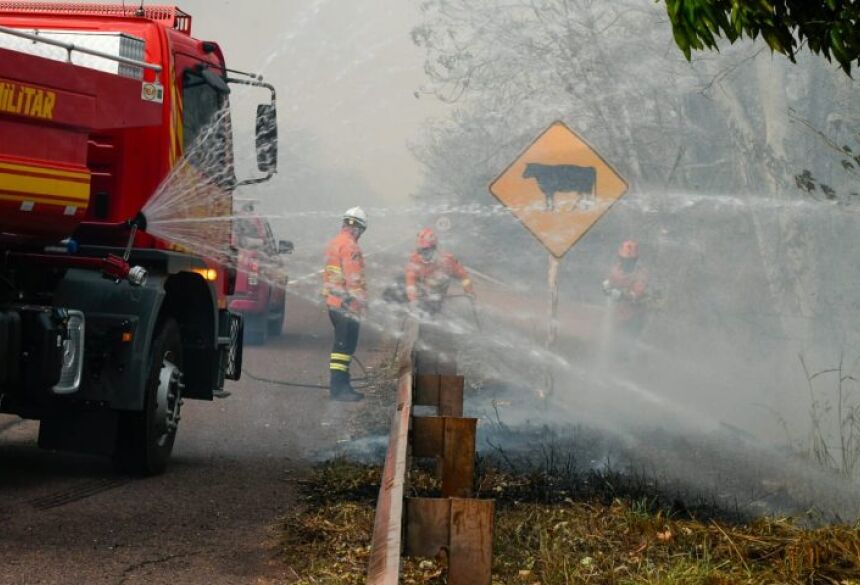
{"x": 552, "y": 282}
{"x": 558, "y": 188}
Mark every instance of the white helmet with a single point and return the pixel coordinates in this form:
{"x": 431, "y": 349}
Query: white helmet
{"x": 356, "y": 216}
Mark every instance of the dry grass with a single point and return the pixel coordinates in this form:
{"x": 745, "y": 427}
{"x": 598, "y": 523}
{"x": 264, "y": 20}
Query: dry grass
{"x": 571, "y": 541}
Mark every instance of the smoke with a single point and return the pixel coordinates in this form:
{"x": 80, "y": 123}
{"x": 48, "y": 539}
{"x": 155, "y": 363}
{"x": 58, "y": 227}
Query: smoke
{"x": 751, "y": 299}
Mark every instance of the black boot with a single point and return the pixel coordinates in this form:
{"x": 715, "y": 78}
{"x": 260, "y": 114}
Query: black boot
{"x": 341, "y": 390}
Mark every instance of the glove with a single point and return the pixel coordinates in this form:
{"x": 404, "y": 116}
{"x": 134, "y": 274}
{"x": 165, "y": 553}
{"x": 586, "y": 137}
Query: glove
{"x": 357, "y": 308}
{"x": 614, "y": 294}
{"x": 606, "y": 286}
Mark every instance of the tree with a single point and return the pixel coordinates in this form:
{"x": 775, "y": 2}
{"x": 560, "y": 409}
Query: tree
{"x": 828, "y": 27}
{"x": 714, "y": 135}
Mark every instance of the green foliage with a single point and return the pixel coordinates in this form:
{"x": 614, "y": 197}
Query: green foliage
{"x": 828, "y": 27}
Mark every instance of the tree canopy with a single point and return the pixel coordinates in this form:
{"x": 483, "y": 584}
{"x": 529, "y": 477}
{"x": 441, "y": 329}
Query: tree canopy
{"x": 828, "y": 27}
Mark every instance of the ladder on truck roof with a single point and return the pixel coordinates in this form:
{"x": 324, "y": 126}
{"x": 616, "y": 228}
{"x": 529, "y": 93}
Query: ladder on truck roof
{"x": 170, "y": 16}
{"x": 71, "y": 47}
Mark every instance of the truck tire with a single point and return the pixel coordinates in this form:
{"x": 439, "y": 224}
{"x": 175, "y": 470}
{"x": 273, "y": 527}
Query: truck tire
{"x": 145, "y": 438}
{"x": 256, "y": 329}
{"x": 276, "y": 324}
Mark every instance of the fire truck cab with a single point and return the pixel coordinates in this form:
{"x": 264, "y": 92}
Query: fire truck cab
{"x": 106, "y": 328}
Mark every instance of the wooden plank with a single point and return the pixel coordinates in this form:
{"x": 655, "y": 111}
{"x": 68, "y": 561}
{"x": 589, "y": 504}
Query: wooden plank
{"x": 427, "y": 530}
{"x": 427, "y": 436}
{"x": 427, "y": 388}
{"x": 458, "y": 457}
{"x": 443, "y": 392}
{"x": 470, "y": 546}
{"x": 451, "y": 395}
{"x": 460, "y": 528}
{"x": 452, "y": 441}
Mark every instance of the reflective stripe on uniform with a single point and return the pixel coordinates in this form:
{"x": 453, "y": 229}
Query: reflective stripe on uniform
{"x": 338, "y": 367}
{"x": 466, "y": 282}
{"x": 343, "y": 357}
{"x": 333, "y": 268}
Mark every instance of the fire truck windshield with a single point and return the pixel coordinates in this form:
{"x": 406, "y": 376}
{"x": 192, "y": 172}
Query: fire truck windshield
{"x": 205, "y": 124}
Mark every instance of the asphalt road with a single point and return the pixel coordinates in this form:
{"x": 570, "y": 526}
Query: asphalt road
{"x": 210, "y": 518}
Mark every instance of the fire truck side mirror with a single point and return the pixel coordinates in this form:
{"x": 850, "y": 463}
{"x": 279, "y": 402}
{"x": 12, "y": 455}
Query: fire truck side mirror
{"x": 285, "y": 247}
{"x": 267, "y": 138}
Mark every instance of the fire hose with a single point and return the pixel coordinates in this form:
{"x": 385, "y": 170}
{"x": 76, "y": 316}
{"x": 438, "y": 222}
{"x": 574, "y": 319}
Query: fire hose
{"x": 365, "y": 378}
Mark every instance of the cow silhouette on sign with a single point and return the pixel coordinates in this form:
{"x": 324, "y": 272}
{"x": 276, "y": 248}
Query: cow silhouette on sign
{"x": 554, "y": 179}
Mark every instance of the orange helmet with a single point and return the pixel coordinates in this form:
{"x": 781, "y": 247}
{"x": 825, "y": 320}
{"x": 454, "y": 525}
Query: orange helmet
{"x": 427, "y": 239}
{"x": 629, "y": 249}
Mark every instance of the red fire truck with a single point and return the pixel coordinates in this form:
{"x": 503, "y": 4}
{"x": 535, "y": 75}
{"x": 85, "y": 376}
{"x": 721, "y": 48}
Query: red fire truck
{"x": 104, "y": 327}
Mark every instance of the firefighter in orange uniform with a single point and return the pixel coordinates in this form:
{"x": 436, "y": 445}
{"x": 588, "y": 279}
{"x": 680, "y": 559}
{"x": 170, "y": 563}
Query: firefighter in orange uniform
{"x": 345, "y": 294}
{"x": 429, "y": 274}
{"x": 626, "y": 286}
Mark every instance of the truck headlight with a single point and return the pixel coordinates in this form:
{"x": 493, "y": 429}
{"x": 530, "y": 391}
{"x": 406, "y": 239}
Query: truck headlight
{"x": 73, "y": 355}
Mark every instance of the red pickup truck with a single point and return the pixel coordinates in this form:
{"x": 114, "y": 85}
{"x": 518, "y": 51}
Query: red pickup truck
{"x": 261, "y": 279}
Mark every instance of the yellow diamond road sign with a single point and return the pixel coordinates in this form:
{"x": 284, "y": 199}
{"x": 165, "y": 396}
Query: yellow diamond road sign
{"x": 558, "y": 188}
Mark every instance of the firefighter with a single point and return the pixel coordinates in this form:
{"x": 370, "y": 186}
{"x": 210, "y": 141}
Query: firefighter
{"x": 626, "y": 287}
{"x": 345, "y": 294}
{"x": 429, "y": 274}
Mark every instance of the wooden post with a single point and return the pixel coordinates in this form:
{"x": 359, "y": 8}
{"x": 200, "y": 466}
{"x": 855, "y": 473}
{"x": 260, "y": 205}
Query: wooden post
{"x": 462, "y": 529}
{"x": 452, "y": 441}
{"x": 552, "y": 318}
{"x": 443, "y": 392}
{"x": 471, "y": 542}
{"x": 451, "y": 395}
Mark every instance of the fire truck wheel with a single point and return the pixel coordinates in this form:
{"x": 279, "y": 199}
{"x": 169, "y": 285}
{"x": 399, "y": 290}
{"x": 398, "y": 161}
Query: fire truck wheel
{"x": 146, "y": 438}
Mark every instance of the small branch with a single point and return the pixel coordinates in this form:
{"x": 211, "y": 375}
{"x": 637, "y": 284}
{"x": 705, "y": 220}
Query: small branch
{"x": 734, "y": 547}
{"x": 824, "y": 137}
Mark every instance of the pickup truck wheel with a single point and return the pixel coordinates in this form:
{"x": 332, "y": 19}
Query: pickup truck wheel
{"x": 276, "y": 323}
{"x": 256, "y": 329}
{"x": 146, "y": 438}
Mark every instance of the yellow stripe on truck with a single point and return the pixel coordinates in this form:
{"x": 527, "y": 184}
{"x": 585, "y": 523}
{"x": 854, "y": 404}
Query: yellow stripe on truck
{"x": 81, "y": 175}
{"x": 41, "y": 201}
{"x": 71, "y": 190}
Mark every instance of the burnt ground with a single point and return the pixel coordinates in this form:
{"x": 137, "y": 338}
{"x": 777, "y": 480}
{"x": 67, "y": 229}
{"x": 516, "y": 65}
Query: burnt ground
{"x": 72, "y": 519}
